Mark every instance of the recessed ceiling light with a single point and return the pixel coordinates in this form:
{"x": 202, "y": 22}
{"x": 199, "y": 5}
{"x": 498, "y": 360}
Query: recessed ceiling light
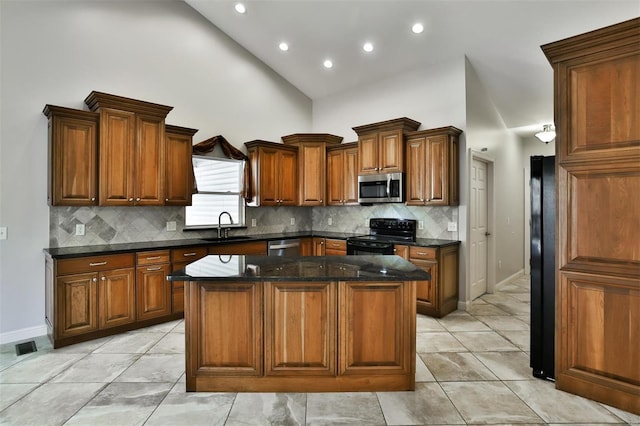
{"x": 240, "y": 8}
{"x": 417, "y": 28}
{"x": 328, "y": 63}
{"x": 283, "y": 46}
{"x": 367, "y": 47}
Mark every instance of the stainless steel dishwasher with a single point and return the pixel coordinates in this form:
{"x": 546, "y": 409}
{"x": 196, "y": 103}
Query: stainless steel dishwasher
{"x": 289, "y": 247}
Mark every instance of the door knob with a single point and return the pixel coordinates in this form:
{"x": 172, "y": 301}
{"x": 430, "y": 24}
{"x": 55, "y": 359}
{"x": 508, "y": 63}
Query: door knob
{"x": 487, "y": 234}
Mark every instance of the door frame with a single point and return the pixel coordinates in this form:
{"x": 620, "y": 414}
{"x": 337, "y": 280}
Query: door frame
{"x": 491, "y": 215}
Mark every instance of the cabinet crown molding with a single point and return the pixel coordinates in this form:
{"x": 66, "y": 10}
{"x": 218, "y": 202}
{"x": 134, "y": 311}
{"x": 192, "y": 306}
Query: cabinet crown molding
{"x": 98, "y": 100}
{"x": 403, "y": 123}
{"x": 449, "y": 130}
{"x": 180, "y": 130}
{"x": 312, "y": 137}
{"x": 50, "y": 110}
{"x": 624, "y": 34}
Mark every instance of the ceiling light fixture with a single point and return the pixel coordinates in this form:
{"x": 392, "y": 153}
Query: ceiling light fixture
{"x": 417, "y": 28}
{"x": 328, "y": 63}
{"x": 547, "y": 134}
{"x": 283, "y": 46}
{"x": 367, "y": 47}
{"x": 240, "y": 8}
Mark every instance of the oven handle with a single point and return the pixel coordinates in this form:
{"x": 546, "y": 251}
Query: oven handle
{"x": 389, "y": 186}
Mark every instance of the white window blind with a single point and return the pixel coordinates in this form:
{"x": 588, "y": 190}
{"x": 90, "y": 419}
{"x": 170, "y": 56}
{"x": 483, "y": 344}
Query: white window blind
{"x": 219, "y": 182}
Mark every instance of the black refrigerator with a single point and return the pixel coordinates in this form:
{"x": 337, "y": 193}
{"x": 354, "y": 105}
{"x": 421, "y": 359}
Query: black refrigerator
{"x": 543, "y": 265}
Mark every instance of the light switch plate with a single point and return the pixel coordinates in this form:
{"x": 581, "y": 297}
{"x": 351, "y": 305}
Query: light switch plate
{"x": 452, "y": 227}
{"x": 293, "y": 220}
{"x": 421, "y": 224}
{"x": 3, "y": 232}
{"x": 330, "y": 221}
{"x": 80, "y": 229}
{"x": 254, "y": 223}
{"x": 171, "y": 226}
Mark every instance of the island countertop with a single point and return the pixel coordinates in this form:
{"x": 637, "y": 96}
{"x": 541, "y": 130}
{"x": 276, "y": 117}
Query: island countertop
{"x": 235, "y": 268}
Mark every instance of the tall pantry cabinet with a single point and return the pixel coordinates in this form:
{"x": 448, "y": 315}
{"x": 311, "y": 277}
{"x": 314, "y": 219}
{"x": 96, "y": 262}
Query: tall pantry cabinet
{"x": 597, "y": 105}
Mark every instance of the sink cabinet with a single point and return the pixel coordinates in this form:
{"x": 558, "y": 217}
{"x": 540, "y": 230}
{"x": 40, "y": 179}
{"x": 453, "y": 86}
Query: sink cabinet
{"x": 275, "y": 173}
{"x": 381, "y": 145}
{"x": 433, "y": 167}
{"x": 73, "y": 157}
{"x": 342, "y": 175}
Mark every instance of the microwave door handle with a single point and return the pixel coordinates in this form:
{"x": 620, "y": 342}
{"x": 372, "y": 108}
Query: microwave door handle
{"x": 389, "y": 186}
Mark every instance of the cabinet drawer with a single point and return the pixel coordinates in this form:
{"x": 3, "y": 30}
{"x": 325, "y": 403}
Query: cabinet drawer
{"x": 95, "y": 263}
{"x": 335, "y": 244}
{"x": 188, "y": 254}
{"x": 422, "y": 253}
{"x": 152, "y": 257}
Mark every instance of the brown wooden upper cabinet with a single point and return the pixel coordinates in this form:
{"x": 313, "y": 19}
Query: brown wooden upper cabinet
{"x": 132, "y": 150}
{"x": 342, "y": 175}
{"x": 178, "y": 170}
{"x": 73, "y": 157}
{"x": 275, "y": 173}
{"x": 312, "y": 171}
{"x": 432, "y": 167}
{"x": 381, "y": 145}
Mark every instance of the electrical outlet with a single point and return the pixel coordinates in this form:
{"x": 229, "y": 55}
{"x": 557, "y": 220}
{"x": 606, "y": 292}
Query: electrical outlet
{"x": 452, "y": 227}
{"x": 254, "y": 223}
{"x": 421, "y": 224}
{"x": 3, "y": 233}
{"x": 171, "y": 226}
{"x": 80, "y": 229}
{"x": 330, "y": 221}
{"x": 293, "y": 220}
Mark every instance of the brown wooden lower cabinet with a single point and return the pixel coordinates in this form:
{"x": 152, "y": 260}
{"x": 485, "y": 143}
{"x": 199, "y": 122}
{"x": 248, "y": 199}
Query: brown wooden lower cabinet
{"x": 329, "y": 247}
{"x": 153, "y": 290}
{"x": 179, "y": 259}
{"x": 310, "y": 336}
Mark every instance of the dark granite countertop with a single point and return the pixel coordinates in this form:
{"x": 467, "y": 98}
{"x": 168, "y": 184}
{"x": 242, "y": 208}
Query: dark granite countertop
{"x": 298, "y": 268}
{"x": 80, "y": 251}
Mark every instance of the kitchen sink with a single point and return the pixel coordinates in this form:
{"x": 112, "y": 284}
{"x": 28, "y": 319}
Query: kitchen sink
{"x": 236, "y": 238}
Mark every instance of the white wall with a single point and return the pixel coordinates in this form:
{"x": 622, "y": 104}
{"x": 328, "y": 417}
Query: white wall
{"x": 486, "y": 129}
{"x": 57, "y": 52}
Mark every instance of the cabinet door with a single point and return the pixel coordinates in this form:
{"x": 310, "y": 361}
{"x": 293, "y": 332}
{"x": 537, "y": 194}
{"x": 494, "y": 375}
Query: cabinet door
{"x": 268, "y": 166}
{"x": 116, "y": 298}
{"x": 76, "y": 298}
{"x": 350, "y": 176}
{"x": 368, "y": 153}
{"x": 426, "y": 291}
{"x": 335, "y": 247}
{"x": 318, "y": 246}
{"x": 312, "y": 171}
{"x": 179, "y": 170}
{"x": 74, "y": 167}
{"x": 335, "y": 177}
{"x": 117, "y": 133}
{"x": 300, "y": 334}
{"x": 257, "y": 248}
{"x": 437, "y": 171}
{"x": 402, "y": 251}
{"x": 149, "y": 161}
{"x": 375, "y": 332}
{"x": 390, "y": 157}
{"x": 287, "y": 178}
{"x": 416, "y": 171}
{"x": 306, "y": 247}
{"x": 153, "y": 291}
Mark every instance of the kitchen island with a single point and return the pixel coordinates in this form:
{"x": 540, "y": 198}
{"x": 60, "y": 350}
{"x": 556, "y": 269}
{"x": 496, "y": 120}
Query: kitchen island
{"x": 300, "y": 324}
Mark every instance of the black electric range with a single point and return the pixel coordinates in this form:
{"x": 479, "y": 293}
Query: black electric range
{"x": 383, "y": 234}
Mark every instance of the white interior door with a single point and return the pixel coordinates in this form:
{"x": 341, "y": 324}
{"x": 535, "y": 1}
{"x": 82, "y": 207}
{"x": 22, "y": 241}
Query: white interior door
{"x": 479, "y": 229}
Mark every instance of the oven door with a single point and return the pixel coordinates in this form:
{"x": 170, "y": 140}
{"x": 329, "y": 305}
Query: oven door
{"x": 355, "y": 247}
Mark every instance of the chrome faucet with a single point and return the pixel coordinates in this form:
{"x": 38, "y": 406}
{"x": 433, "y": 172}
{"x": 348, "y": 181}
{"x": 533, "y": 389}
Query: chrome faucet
{"x": 226, "y": 233}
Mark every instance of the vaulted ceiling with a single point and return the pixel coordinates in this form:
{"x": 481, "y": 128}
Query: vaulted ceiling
{"x": 501, "y": 39}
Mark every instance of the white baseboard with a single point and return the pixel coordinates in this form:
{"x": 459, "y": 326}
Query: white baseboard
{"x": 462, "y": 305}
{"x": 23, "y": 334}
{"x": 518, "y": 274}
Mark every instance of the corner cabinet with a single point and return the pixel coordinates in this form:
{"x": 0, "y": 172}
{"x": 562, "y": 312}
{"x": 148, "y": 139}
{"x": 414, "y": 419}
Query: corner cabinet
{"x": 275, "y": 173}
{"x": 312, "y": 170}
{"x": 597, "y": 105}
{"x": 73, "y": 157}
{"x": 381, "y": 145}
{"x": 342, "y": 175}
{"x": 132, "y": 150}
{"x": 433, "y": 167}
{"x": 179, "y": 169}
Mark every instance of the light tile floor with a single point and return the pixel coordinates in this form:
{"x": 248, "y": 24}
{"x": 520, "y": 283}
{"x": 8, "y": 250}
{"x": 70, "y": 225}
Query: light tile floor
{"x": 472, "y": 368}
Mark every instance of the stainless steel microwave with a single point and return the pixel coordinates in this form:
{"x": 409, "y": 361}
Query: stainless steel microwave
{"x": 381, "y": 188}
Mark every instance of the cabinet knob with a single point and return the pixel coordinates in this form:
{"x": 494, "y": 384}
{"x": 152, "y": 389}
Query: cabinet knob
{"x": 93, "y": 198}
{"x": 95, "y": 280}
{"x": 103, "y": 278}
{"x": 166, "y": 199}
{"x": 130, "y": 199}
{"x": 138, "y": 199}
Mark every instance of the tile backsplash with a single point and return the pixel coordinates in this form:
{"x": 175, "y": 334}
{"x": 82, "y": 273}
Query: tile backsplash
{"x": 112, "y": 225}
